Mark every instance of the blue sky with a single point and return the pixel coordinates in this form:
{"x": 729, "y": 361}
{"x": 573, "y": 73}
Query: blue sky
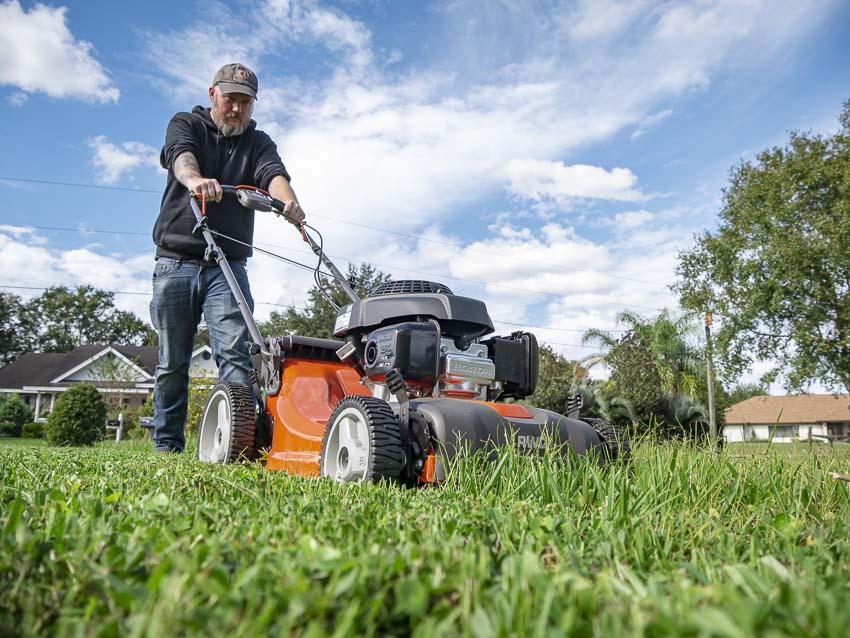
{"x": 551, "y": 158}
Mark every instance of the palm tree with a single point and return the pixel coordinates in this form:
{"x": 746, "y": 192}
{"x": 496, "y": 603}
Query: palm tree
{"x": 675, "y": 360}
{"x": 599, "y": 401}
{"x": 684, "y": 414}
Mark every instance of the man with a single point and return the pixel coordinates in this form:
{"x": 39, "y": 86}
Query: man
{"x": 204, "y": 149}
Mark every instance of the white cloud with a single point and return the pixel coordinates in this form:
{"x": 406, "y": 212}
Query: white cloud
{"x": 21, "y": 233}
{"x": 57, "y": 267}
{"x": 626, "y": 221}
{"x": 186, "y": 60}
{"x": 112, "y": 161}
{"x": 539, "y": 180}
{"x": 594, "y": 19}
{"x": 394, "y": 139}
{"x": 649, "y": 121}
{"x": 38, "y": 53}
{"x": 17, "y": 99}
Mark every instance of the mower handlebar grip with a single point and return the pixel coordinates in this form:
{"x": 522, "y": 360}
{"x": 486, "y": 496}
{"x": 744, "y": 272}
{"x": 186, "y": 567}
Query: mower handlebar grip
{"x": 279, "y": 206}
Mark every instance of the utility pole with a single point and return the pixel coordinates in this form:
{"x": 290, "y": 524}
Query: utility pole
{"x": 712, "y": 423}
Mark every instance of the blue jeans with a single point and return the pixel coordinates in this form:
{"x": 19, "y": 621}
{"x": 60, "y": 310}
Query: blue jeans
{"x": 181, "y": 292}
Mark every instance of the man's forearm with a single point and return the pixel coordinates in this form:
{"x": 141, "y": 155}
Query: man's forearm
{"x": 186, "y": 168}
{"x": 279, "y": 188}
{"x": 188, "y": 173}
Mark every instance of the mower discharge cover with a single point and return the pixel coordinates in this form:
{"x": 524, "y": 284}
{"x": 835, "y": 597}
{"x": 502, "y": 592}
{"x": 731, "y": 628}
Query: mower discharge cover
{"x": 479, "y": 425}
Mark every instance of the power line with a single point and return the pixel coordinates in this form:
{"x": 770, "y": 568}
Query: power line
{"x": 280, "y": 305}
{"x": 270, "y": 303}
{"x": 78, "y": 185}
{"x": 258, "y": 246}
{"x": 339, "y": 221}
{"x": 90, "y": 230}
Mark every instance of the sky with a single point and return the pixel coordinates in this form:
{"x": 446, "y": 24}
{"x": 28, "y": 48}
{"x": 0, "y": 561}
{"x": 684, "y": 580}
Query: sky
{"x": 551, "y": 158}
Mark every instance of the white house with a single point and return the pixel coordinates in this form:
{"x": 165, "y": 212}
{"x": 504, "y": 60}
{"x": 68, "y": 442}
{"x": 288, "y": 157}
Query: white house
{"x": 123, "y": 374}
{"x": 787, "y": 418}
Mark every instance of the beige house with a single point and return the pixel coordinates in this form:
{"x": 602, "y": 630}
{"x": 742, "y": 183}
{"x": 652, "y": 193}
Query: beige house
{"x": 787, "y": 418}
{"x": 124, "y": 375}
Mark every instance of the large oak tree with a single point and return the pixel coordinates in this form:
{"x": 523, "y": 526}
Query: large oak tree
{"x": 776, "y": 273}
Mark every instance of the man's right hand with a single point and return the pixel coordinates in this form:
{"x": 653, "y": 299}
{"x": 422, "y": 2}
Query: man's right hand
{"x": 210, "y": 189}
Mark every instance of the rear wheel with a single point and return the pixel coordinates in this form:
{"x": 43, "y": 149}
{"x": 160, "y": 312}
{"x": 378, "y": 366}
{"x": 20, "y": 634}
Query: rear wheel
{"x": 615, "y": 442}
{"x": 228, "y": 425}
{"x": 362, "y": 442}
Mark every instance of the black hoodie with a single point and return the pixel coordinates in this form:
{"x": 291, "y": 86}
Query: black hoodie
{"x": 250, "y": 158}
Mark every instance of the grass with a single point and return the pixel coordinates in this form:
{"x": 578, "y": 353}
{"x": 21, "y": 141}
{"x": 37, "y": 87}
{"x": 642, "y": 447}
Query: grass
{"x": 18, "y": 443}
{"x": 114, "y": 541}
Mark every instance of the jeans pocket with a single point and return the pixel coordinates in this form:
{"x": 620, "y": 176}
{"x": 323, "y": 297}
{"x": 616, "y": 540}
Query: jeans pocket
{"x": 164, "y": 267}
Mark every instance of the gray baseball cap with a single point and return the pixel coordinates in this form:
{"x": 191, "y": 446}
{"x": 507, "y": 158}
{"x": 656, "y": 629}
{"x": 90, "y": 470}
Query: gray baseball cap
{"x": 236, "y": 78}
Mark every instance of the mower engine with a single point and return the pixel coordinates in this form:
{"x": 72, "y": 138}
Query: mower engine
{"x": 430, "y": 365}
{"x": 437, "y": 349}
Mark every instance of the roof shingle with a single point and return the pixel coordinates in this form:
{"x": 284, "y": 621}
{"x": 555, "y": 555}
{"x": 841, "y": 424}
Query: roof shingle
{"x": 799, "y": 409}
{"x": 40, "y": 368}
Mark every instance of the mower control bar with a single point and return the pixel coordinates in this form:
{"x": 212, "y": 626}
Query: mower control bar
{"x": 259, "y": 200}
{"x": 213, "y": 252}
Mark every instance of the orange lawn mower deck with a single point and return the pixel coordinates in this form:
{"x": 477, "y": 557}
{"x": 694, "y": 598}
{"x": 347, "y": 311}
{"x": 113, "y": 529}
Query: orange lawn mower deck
{"x": 408, "y": 381}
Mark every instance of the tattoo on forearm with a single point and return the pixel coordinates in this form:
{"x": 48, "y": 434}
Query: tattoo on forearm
{"x": 186, "y": 167}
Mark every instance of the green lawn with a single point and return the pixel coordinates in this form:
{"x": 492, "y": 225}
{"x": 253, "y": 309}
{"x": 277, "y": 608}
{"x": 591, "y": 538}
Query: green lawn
{"x": 19, "y": 443}
{"x": 682, "y": 542}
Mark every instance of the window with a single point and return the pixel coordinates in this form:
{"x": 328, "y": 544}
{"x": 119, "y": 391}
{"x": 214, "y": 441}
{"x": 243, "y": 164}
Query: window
{"x": 784, "y": 431}
{"x": 835, "y": 429}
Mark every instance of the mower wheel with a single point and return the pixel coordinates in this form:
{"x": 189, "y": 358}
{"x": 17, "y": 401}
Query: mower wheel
{"x": 616, "y": 444}
{"x": 362, "y": 442}
{"x": 228, "y": 425}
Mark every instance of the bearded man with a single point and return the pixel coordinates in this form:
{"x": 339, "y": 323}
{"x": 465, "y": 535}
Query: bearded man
{"x": 203, "y": 149}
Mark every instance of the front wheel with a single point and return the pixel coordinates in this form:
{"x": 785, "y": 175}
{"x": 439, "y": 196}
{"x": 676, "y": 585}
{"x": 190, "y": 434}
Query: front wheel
{"x": 362, "y": 442}
{"x": 228, "y": 425}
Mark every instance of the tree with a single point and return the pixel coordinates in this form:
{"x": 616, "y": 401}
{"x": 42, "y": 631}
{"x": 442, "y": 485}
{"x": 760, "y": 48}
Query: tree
{"x": 599, "y": 401}
{"x": 650, "y": 361}
{"x": 16, "y": 328}
{"x": 68, "y": 319}
{"x": 776, "y": 273}
{"x": 317, "y": 319}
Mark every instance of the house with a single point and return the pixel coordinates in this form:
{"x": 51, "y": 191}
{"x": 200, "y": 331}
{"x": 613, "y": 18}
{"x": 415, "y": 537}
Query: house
{"x": 786, "y": 418}
{"x": 123, "y": 374}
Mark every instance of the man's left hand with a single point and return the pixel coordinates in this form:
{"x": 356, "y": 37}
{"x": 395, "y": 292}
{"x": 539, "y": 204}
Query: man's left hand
{"x": 292, "y": 212}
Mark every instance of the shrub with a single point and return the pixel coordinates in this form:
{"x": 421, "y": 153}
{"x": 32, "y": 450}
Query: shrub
{"x": 78, "y": 417}
{"x": 13, "y": 414}
{"x": 33, "y": 430}
{"x": 199, "y": 392}
{"x": 10, "y": 430}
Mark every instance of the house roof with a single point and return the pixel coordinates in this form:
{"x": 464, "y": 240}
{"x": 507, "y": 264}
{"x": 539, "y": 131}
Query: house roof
{"x": 41, "y": 368}
{"x": 799, "y": 409}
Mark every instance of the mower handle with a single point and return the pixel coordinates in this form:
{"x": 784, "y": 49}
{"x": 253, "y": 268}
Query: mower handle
{"x": 255, "y": 199}
{"x": 258, "y": 199}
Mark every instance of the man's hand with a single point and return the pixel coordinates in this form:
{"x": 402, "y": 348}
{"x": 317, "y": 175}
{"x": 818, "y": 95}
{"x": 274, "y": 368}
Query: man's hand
{"x": 281, "y": 190}
{"x": 292, "y": 212}
{"x": 209, "y": 188}
{"x": 188, "y": 173}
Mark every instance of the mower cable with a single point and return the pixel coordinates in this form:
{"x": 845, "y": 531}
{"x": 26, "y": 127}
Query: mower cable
{"x": 317, "y": 272}
{"x": 267, "y": 252}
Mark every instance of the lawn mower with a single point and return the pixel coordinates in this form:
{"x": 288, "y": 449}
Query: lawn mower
{"x": 410, "y": 379}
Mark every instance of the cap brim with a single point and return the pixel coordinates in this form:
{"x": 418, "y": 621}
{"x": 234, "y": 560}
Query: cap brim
{"x": 231, "y": 87}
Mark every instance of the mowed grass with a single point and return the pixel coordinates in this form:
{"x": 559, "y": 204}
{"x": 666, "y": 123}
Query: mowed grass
{"x": 680, "y": 542}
